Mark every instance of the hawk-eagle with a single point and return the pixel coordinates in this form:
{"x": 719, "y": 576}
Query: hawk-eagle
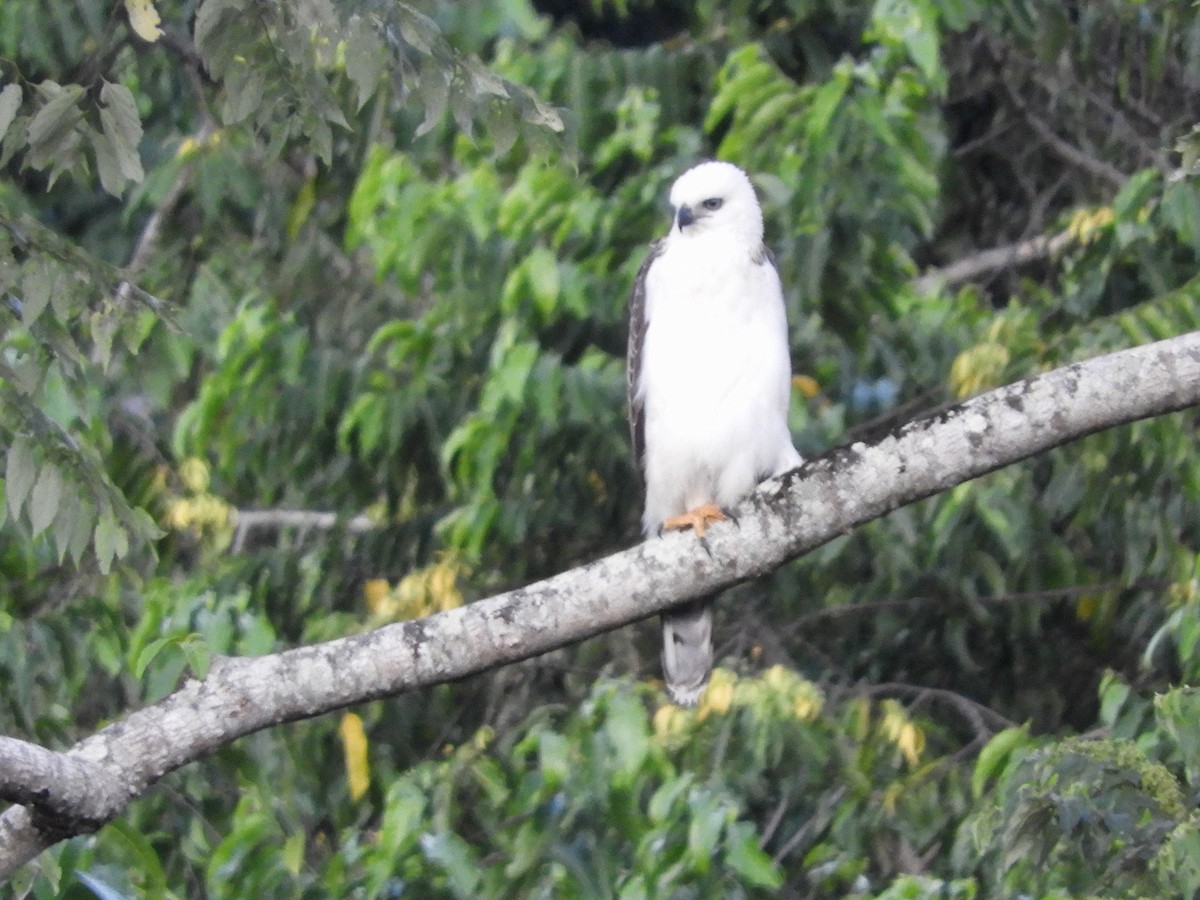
{"x": 709, "y": 381}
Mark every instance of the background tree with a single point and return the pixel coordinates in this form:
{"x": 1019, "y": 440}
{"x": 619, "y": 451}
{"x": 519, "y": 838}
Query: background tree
{"x": 372, "y": 259}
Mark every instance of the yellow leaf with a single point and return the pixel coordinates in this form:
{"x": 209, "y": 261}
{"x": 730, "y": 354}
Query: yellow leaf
{"x": 809, "y": 701}
{"x": 178, "y": 515}
{"x": 443, "y": 588}
{"x": 292, "y": 853}
{"x": 911, "y": 742}
{"x": 894, "y": 718}
{"x": 1085, "y": 607}
{"x": 806, "y": 385}
{"x": 143, "y": 19}
{"x": 1086, "y": 224}
{"x": 599, "y": 488}
{"x": 483, "y": 738}
{"x": 354, "y": 746}
{"x": 890, "y": 795}
{"x": 780, "y": 678}
{"x": 213, "y": 512}
{"x": 806, "y": 710}
{"x": 377, "y": 592}
{"x": 194, "y": 474}
{"x": 670, "y": 722}
{"x": 977, "y": 368}
{"x": 410, "y": 596}
{"x": 1182, "y": 593}
{"x": 907, "y": 736}
{"x": 719, "y": 695}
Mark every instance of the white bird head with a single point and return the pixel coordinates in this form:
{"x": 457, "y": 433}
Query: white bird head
{"x": 716, "y": 198}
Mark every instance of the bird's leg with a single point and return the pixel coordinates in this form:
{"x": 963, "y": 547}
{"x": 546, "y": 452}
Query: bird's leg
{"x": 697, "y": 519}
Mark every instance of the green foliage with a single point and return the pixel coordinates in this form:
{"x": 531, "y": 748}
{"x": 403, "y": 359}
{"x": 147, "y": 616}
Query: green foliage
{"x": 373, "y": 259}
{"x": 1081, "y": 813}
{"x": 1067, "y": 815}
{"x": 609, "y": 800}
{"x": 62, "y": 327}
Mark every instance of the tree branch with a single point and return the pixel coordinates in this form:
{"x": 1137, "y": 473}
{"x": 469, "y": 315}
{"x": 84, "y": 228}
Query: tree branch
{"x": 784, "y": 518}
{"x": 987, "y": 261}
{"x": 247, "y": 520}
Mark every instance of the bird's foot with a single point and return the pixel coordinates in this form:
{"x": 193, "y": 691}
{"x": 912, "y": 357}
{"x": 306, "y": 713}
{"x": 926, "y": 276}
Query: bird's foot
{"x": 697, "y": 519}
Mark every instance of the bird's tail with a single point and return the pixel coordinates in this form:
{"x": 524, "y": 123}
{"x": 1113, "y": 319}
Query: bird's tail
{"x": 687, "y": 654}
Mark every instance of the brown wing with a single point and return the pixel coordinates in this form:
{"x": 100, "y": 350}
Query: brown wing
{"x": 633, "y": 357}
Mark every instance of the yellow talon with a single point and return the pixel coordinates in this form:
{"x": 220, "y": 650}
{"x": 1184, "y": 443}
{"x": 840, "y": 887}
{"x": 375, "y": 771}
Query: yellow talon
{"x": 697, "y": 519}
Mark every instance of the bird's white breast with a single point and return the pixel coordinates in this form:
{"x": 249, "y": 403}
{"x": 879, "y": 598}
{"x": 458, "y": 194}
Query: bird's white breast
{"x": 715, "y": 377}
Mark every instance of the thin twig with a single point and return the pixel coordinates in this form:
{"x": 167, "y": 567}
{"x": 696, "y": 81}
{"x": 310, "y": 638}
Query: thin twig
{"x": 1050, "y": 594}
{"x": 973, "y": 711}
{"x": 985, "y": 262}
{"x": 247, "y": 520}
{"x": 1067, "y": 151}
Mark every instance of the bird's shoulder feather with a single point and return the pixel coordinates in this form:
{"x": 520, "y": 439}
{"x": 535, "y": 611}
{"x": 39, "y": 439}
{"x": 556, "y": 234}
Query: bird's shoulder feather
{"x": 633, "y": 357}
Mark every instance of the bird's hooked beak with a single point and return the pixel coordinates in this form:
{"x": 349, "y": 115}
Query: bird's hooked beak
{"x": 684, "y": 217}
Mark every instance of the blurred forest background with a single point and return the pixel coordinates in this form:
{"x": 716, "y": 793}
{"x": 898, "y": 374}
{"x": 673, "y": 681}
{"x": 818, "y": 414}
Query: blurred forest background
{"x": 372, "y": 259}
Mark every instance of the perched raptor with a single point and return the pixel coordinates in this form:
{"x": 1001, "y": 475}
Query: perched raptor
{"x": 709, "y": 381}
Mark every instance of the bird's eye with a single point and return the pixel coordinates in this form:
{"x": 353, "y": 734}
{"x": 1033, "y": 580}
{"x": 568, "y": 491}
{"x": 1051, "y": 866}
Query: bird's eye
{"x": 712, "y": 203}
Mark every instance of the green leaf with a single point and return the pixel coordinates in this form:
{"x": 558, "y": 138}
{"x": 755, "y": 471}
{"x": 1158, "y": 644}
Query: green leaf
{"x": 151, "y": 651}
{"x": 123, "y": 128}
{"x": 148, "y": 864}
{"x": 746, "y": 858}
{"x": 111, "y": 541}
{"x": 198, "y": 655}
{"x": 104, "y": 324}
{"x": 1136, "y": 193}
{"x": 502, "y": 128}
{"x": 554, "y": 757}
{"x": 1181, "y": 208}
{"x": 525, "y": 850}
{"x": 143, "y": 525}
{"x": 995, "y": 755}
{"x": 665, "y": 798}
{"x": 1179, "y": 860}
{"x": 366, "y": 57}
{"x": 433, "y": 89}
{"x": 824, "y": 105}
{"x": 209, "y": 27}
{"x": 43, "y": 502}
{"x": 69, "y": 509}
{"x": 404, "y": 811}
{"x": 52, "y": 130}
{"x": 10, "y": 102}
{"x": 19, "y": 473}
{"x": 1178, "y": 713}
{"x": 915, "y": 25}
{"x": 81, "y": 531}
{"x": 108, "y": 167}
{"x": 418, "y": 30}
{"x": 707, "y": 818}
{"x": 628, "y": 735}
{"x": 457, "y": 859}
{"x": 243, "y": 95}
{"x": 100, "y": 888}
{"x": 1113, "y": 695}
{"x": 292, "y": 853}
{"x": 37, "y": 285}
{"x": 542, "y": 268}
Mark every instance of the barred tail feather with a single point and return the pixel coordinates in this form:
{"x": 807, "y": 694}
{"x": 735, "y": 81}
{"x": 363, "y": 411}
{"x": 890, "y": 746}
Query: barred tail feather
{"x": 687, "y": 654}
